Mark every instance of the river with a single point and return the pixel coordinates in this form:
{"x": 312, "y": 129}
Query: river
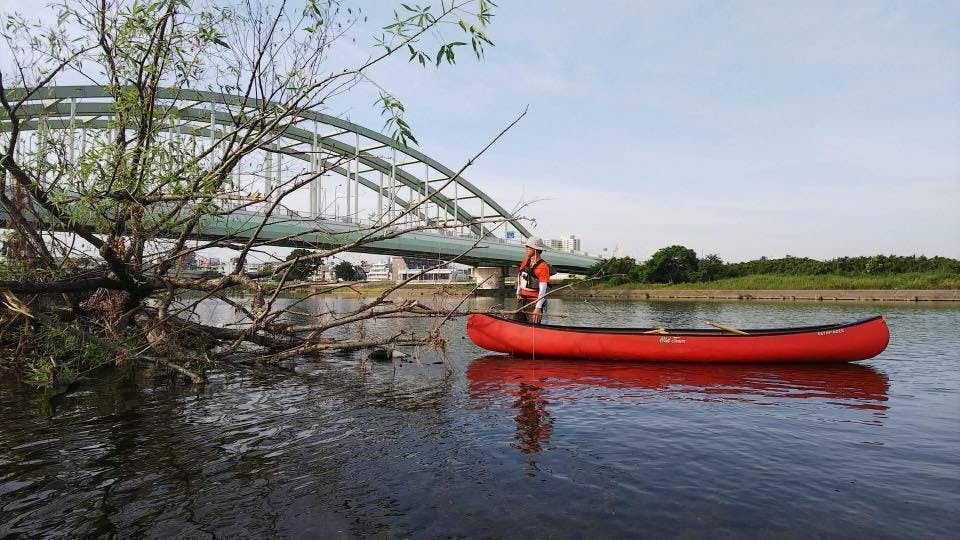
{"x": 470, "y": 444}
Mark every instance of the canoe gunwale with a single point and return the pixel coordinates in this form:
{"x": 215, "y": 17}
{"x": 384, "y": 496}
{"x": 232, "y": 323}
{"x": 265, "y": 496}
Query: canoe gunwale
{"x": 699, "y": 332}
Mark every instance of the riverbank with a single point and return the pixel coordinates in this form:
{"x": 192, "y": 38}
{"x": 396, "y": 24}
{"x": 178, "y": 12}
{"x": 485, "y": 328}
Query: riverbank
{"x": 632, "y": 292}
{"x": 817, "y": 295}
{"x": 824, "y": 282}
{"x": 907, "y": 286}
{"x": 372, "y": 289}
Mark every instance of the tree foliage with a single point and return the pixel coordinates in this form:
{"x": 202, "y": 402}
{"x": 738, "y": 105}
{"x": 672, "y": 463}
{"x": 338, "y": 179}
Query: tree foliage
{"x": 303, "y": 266}
{"x": 710, "y": 268}
{"x": 677, "y": 264}
{"x": 345, "y": 271}
{"x": 851, "y": 266}
{"x": 672, "y": 264}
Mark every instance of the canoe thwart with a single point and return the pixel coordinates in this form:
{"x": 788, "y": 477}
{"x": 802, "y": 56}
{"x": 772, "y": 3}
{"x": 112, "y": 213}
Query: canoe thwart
{"x": 727, "y": 328}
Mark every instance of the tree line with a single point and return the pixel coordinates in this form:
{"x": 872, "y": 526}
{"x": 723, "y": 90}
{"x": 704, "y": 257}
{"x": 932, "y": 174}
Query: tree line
{"x": 679, "y": 264}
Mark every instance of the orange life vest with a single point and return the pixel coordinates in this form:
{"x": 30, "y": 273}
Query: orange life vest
{"x": 527, "y": 278}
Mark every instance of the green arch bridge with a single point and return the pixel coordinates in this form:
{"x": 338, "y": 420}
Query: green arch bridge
{"x": 383, "y": 174}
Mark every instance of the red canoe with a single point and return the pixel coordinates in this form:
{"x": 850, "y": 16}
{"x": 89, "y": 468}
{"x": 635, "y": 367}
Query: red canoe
{"x": 843, "y": 342}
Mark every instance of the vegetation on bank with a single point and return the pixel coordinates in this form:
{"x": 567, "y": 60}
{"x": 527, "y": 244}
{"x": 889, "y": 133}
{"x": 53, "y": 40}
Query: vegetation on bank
{"x": 55, "y": 355}
{"x": 679, "y": 267}
{"x": 910, "y": 280}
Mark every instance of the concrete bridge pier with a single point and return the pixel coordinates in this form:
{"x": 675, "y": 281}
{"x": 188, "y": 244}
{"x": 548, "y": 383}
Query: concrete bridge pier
{"x": 489, "y": 277}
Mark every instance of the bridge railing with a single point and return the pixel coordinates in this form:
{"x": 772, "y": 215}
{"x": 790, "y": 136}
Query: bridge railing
{"x": 303, "y": 215}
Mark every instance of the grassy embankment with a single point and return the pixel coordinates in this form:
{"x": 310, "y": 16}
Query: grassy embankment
{"x": 911, "y": 280}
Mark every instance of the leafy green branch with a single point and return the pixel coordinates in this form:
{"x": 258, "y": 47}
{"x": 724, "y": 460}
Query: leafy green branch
{"x": 395, "y": 124}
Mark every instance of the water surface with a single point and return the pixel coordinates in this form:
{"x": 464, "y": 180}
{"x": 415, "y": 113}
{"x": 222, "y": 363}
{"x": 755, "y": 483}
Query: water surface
{"x": 481, "y": 445}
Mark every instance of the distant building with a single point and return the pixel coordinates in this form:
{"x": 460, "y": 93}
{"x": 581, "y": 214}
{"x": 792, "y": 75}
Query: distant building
{"x": 399, "y": 264}
{"x": 402, "y": 268}
{"x": 437, "y": 275}
{"x": 565, "y": 243}
{"x": 253, "y": 266}
{"x": 324, "y": 273}
{"x": 615, "y": 253}
{"x": 227, "y": 267}
{"x": 379, "y": 271}
{"x": 207, "y": 263}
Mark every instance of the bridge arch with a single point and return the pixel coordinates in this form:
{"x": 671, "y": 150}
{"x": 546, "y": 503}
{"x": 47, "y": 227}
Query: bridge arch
{"x": 199, "y": 113}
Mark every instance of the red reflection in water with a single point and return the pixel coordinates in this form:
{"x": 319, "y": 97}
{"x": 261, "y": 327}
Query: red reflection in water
{"x": 534, "y": 423}
{"x": 532, "y": 382}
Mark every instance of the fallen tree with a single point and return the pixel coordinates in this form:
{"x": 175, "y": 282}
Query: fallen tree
{"x": 131, "y": 204}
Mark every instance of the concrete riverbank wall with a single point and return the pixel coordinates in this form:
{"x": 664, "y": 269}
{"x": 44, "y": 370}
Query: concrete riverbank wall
{"x": 806, "y": 295}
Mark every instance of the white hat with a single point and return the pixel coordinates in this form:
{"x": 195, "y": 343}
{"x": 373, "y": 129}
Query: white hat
{"x": 536, "y": 243}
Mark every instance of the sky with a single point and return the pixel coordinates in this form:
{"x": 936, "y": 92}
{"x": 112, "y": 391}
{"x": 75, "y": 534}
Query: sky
{"x": 746, "y": 129}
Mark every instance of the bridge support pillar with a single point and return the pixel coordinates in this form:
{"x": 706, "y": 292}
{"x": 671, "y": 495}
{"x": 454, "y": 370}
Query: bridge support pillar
{"x": 489, "y": 277}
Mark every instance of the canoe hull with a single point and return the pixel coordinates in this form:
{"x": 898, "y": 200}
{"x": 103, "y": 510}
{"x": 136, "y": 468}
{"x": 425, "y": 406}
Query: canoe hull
{"x": 831, "y": 343}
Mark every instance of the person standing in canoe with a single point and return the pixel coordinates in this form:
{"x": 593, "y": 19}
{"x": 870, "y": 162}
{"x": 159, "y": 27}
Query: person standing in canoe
{"x": 532, "y": 281}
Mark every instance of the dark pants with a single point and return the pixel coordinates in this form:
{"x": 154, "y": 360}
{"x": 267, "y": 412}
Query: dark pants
{"x": 525, "y": 314}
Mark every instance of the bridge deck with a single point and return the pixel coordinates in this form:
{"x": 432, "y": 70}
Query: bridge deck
{"x": 311, "y": 232}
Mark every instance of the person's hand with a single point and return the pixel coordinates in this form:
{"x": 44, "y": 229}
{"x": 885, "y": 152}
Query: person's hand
{"x": 535, "y": 316}
{"x": 519, "y": 300}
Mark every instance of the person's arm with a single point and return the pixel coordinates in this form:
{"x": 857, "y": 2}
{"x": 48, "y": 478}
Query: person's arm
{"x": 541, "y": 297}
{"x": 522, "y": 263}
